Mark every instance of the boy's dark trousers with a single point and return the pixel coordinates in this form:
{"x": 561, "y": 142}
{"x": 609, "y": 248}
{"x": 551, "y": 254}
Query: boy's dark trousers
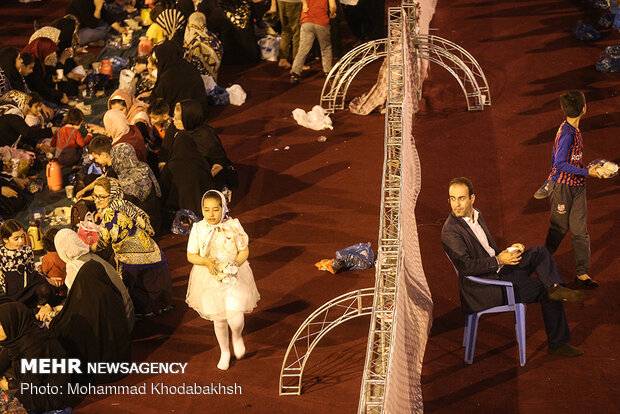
{"x": 568, "y": 211}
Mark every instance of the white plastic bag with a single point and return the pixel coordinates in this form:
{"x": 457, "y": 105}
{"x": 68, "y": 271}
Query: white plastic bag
{"x": 315, "y": 119}
{"x": 236, "y": 95}
{"x": 127, "y": 80}
{"x": 269, "y": 48}
{"x": 79, "y": 70}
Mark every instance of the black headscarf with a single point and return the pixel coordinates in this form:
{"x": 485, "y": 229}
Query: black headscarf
{"x": 66, "y": 25}
{"x": 8, "y": 56}
{"x": 186, "y": 176}
{"x": 177, "y": 79}
{"x": 26, "y": 340}
{"x": 92, "y": 325}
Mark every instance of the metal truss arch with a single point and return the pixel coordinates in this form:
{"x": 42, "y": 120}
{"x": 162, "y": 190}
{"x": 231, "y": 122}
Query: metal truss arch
{"x": 452, "y": 57}
{"x": 331, "y": 314}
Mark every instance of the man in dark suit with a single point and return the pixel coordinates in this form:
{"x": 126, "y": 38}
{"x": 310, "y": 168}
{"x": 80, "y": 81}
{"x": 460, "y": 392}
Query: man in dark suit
{"x": 471, "y": 248}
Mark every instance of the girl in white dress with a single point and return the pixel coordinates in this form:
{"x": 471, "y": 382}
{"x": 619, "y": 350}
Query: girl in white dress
{"x": 221, "y": 285}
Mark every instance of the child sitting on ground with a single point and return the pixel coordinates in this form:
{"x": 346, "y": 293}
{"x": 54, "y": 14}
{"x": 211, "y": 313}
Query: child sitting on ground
{"x": 19, "y": 280}
{"x": 53, "y": 267}
{"x": 158, "y": 112}
{"x": 68, "y": 141}
{"x": 33, "y": 113}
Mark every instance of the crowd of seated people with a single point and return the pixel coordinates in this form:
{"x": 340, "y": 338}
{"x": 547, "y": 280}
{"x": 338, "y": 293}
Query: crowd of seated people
{"x": 153, "y": 154}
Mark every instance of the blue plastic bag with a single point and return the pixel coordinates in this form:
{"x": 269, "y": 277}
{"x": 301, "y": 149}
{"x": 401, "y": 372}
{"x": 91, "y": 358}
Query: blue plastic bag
{"x": 218, "y": 96}
{"x": 606, "y": 20}
{"x": 357, "y": 257}
{"x": 612, "y": 51}
{"x": 585, "y": 32}
{"x": 183, "y": 221}
{"x": 608, "y": 64}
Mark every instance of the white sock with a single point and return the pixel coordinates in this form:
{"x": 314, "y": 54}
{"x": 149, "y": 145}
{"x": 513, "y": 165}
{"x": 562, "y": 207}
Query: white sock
{"x": 236, "y": 324}
{"x": 221, "y": 333}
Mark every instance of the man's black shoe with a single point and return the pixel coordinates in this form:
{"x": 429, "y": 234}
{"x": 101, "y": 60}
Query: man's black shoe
{"x": 586, "y": 283}
{"x": 566, "y": 350}
{"x": 559, "y": 292}
{"x": 294, "y": 78}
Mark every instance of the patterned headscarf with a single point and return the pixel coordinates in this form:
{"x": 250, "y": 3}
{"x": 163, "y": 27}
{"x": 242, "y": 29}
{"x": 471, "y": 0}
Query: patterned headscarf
{"x": 118, "y": 203}
{"x": 135, "y": 177}
{"x": 204, "y": 49}
{"x": 14, "y": 102}
{"x": 171, "y": 20}
{"x": 48, "y": 32}
{"x": 196, "y": 25}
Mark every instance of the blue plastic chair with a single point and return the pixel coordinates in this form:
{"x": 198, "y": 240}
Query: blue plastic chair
{"x": 471, "y": 322}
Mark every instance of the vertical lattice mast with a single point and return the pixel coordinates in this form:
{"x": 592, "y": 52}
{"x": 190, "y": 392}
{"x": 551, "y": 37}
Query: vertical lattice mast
{"x": 380, "y": 336}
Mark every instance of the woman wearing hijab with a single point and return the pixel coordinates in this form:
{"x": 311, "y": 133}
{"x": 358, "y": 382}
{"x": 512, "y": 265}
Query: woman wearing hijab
{"x": 188, "y": 117}
{"x": 92, "y": 324}
{"x": 139, "y": 259}
{"x": 231, "y": 21}
{"x": 40, "y": 80}
{"x": 15, "y": 67}
{"x": 172, "y": 22}
{"x": 13, "y": 106}
{"x": 137, "y": 182}
{"x": 204, "y": 49}
{"x": 116, "y": 126}
{"x": 75, "y": 253}
{"x": 68, "y": 26}
{"x": 185, "y": 177}
{"x": 177, "y": 79}
{"x": 134, "y": 110}
{"x": 20, "y": 337}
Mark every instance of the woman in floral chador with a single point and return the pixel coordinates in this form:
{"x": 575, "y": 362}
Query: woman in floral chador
{"x": 139, "y": 259}
{"x": 221, "y": 285}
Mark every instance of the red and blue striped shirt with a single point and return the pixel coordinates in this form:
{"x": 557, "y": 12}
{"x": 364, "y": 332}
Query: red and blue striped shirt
{"x": 567, "y": 157}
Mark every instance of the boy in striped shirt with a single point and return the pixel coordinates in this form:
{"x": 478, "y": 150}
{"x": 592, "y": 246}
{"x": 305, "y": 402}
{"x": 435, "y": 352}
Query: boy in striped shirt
{"x": 567, "y": 183}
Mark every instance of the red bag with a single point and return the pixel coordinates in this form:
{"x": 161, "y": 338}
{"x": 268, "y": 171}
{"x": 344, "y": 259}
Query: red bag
{"x": 88, "y": 231}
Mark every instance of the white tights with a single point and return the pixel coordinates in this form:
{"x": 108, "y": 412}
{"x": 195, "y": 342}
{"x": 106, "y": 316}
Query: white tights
{"x": 221, "y": 333}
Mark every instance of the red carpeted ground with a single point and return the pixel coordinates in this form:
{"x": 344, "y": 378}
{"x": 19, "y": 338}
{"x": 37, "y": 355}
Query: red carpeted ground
{"x": 300, "y": 205}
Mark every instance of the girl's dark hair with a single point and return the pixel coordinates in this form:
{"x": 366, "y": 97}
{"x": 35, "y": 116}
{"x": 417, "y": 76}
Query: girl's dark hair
{"x": 35, "y": 98}
{"x": 213, "y": 196}
{"x": 48, "y": 240}
{"x": 27, "y": 58}
{"x": 191, "y": 114}
{"x": 74, "y": 117}
{"x": 9, "y": 227}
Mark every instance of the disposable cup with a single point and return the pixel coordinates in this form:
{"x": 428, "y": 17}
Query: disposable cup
{"x": 60, "y": 73}
{"x": 69, "y": 191}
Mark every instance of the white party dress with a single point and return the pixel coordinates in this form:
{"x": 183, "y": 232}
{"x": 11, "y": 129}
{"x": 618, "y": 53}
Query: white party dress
{"x": 213, "y": 299}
